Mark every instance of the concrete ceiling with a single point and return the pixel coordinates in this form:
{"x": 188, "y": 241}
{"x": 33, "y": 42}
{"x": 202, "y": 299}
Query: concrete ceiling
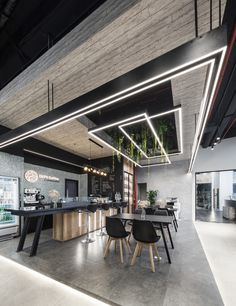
{"x": 116, "y": 38}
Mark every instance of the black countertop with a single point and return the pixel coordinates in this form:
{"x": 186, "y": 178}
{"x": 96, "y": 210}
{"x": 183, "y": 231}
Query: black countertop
{"x": 47, "y": 210}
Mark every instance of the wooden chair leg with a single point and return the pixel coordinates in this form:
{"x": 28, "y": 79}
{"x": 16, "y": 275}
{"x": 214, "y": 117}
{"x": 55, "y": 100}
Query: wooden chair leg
{"x": 157, "y": 254}
{"x": 129, "y": 238}
{"x": 107, "y": 247}
{"x": 128, "y": 246}
{"x": 121, "y": 252}
{"x": 140, "y": 250}
{"x": 135, "y": 254}
{"x": 115, "y": 245}
{"x": 151, "y": 258}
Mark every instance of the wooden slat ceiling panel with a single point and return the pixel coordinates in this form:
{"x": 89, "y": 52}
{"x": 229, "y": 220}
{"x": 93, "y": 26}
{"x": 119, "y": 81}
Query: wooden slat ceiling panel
{"x": 146, "y": 30}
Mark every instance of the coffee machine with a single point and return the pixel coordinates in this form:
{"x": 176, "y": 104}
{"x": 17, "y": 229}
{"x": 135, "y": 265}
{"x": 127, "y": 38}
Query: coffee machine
{"x": 32, "y": 197}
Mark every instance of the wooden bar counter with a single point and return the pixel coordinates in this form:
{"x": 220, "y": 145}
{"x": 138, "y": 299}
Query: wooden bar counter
{"x": 70, "y": 225}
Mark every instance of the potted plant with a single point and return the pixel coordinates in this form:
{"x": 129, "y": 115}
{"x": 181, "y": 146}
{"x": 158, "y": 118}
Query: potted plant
{"x": 151, "y": 196}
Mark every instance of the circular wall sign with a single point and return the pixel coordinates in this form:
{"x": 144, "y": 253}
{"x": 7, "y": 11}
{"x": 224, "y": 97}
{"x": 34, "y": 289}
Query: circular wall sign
{"x": 31, "y": 176}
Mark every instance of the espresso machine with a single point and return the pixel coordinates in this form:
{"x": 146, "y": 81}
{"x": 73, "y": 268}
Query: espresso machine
{"x": 33, "y": 197}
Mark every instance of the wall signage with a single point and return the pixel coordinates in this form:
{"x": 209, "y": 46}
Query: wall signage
{"x": 32, "y": 177}
{"x": 49, "y": 178}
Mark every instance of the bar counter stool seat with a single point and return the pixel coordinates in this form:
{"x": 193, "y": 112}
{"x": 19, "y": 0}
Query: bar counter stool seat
{"x": 103, "y": 207}
{"x": 116, "y": 232}
{"x": 145, "y": 235}
{"x": 91, "y": 208}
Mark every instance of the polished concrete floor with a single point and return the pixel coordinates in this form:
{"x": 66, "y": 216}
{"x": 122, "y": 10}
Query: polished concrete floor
{"x": 20, "y": 286}
{"x": 206, "y": 215}
{"x": 219, "y": 242}
{"x": 187, "y": 281}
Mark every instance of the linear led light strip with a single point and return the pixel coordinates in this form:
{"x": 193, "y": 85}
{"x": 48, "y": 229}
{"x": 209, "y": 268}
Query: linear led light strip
{"x": 133, "y": 142}
{"x": 198, "y": 139}
{"x": 157, "y": 138}
{"x": 53, "y": 158}
{"x": 91, "y": 132}
{"x": 155, "y": 116}
{"x": 86, "y": 109}
{"x": 114, "y": 149}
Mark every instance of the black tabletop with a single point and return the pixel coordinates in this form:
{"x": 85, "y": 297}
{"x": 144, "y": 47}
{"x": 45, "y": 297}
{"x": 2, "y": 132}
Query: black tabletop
{"x": 152, "y": 218}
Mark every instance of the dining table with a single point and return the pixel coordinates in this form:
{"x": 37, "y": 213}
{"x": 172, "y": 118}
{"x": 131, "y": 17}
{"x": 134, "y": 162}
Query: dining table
{"x": 161, "y": 220}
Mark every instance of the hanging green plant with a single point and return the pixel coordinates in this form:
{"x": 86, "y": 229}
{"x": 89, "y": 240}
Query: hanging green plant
{"x": 144, "y": 139}
{"x": 113, "y": 162}
{"x": 119, "y": 145}
{"x": 132, "y": 147}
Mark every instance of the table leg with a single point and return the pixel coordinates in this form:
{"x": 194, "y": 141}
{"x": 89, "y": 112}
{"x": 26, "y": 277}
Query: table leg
{"x": 165, "y": 244}
{"x": 171, "y": 241}
{"x": 38, "y": 230}
{"x": 174, "y": 221}
{"x": 23, "y": 234}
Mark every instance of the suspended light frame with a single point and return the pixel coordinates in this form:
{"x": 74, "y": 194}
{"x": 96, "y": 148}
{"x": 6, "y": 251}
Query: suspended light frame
{"x": 90, "y": 169}
{"x": 96, "y": 171}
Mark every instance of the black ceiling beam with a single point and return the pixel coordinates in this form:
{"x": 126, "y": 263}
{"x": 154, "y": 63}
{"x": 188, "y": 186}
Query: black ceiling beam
{"x": 224, "y": 110}
{"x": 44, "y": 150}
{"x": 188, "y": 52}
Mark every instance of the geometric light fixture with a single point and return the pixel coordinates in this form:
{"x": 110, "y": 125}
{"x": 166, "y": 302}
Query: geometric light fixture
{"x": 138, "y": 119}
{"x": 91, "y": 169}
{"x": 95, "y": 171}
{"x": 208, "y": 50}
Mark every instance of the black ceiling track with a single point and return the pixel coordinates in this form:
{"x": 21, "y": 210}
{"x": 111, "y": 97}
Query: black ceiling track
{"x": 41, "y": 153}
{"x": 29, "y": 28}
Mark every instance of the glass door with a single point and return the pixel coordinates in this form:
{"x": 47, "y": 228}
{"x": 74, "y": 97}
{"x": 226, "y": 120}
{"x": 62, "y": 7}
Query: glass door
{"x": 9, "y": 198}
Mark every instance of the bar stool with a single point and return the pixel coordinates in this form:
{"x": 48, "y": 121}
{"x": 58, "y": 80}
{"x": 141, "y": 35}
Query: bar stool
{"x": 116, "y": 205}
{"x": 122, "y": 205}
{"x": 103, "y": 207}
{"x": 91, "y": 208}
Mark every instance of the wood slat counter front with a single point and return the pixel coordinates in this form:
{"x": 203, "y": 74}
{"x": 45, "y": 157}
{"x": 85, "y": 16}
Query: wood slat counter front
{"x": 70, "y": 225}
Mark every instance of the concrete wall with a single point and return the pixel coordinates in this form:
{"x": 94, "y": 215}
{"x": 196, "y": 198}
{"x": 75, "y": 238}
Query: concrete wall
{"x": 46, "y": 186}
{"x": 11, "y": 165}
{"x": 170, "y": 180}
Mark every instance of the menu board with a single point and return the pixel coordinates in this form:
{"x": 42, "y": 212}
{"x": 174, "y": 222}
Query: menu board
{"x": 103, "y": 185}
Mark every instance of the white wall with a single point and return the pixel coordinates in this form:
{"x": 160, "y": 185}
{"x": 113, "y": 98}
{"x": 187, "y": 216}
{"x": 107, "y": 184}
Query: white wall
{"x": 223, "y": 157}
{"x": 226, "y": 186}
{"x": 171, "y": 180}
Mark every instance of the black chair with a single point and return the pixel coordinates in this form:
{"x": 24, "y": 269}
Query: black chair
{"x": 163, "y": 212}
{"x": 149, "y": 210}
{"x": 102, "y": 207}
{"x": 145, "y": 235}
{"x": 91, "y": 208}
{"x": 116, "y": 231}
